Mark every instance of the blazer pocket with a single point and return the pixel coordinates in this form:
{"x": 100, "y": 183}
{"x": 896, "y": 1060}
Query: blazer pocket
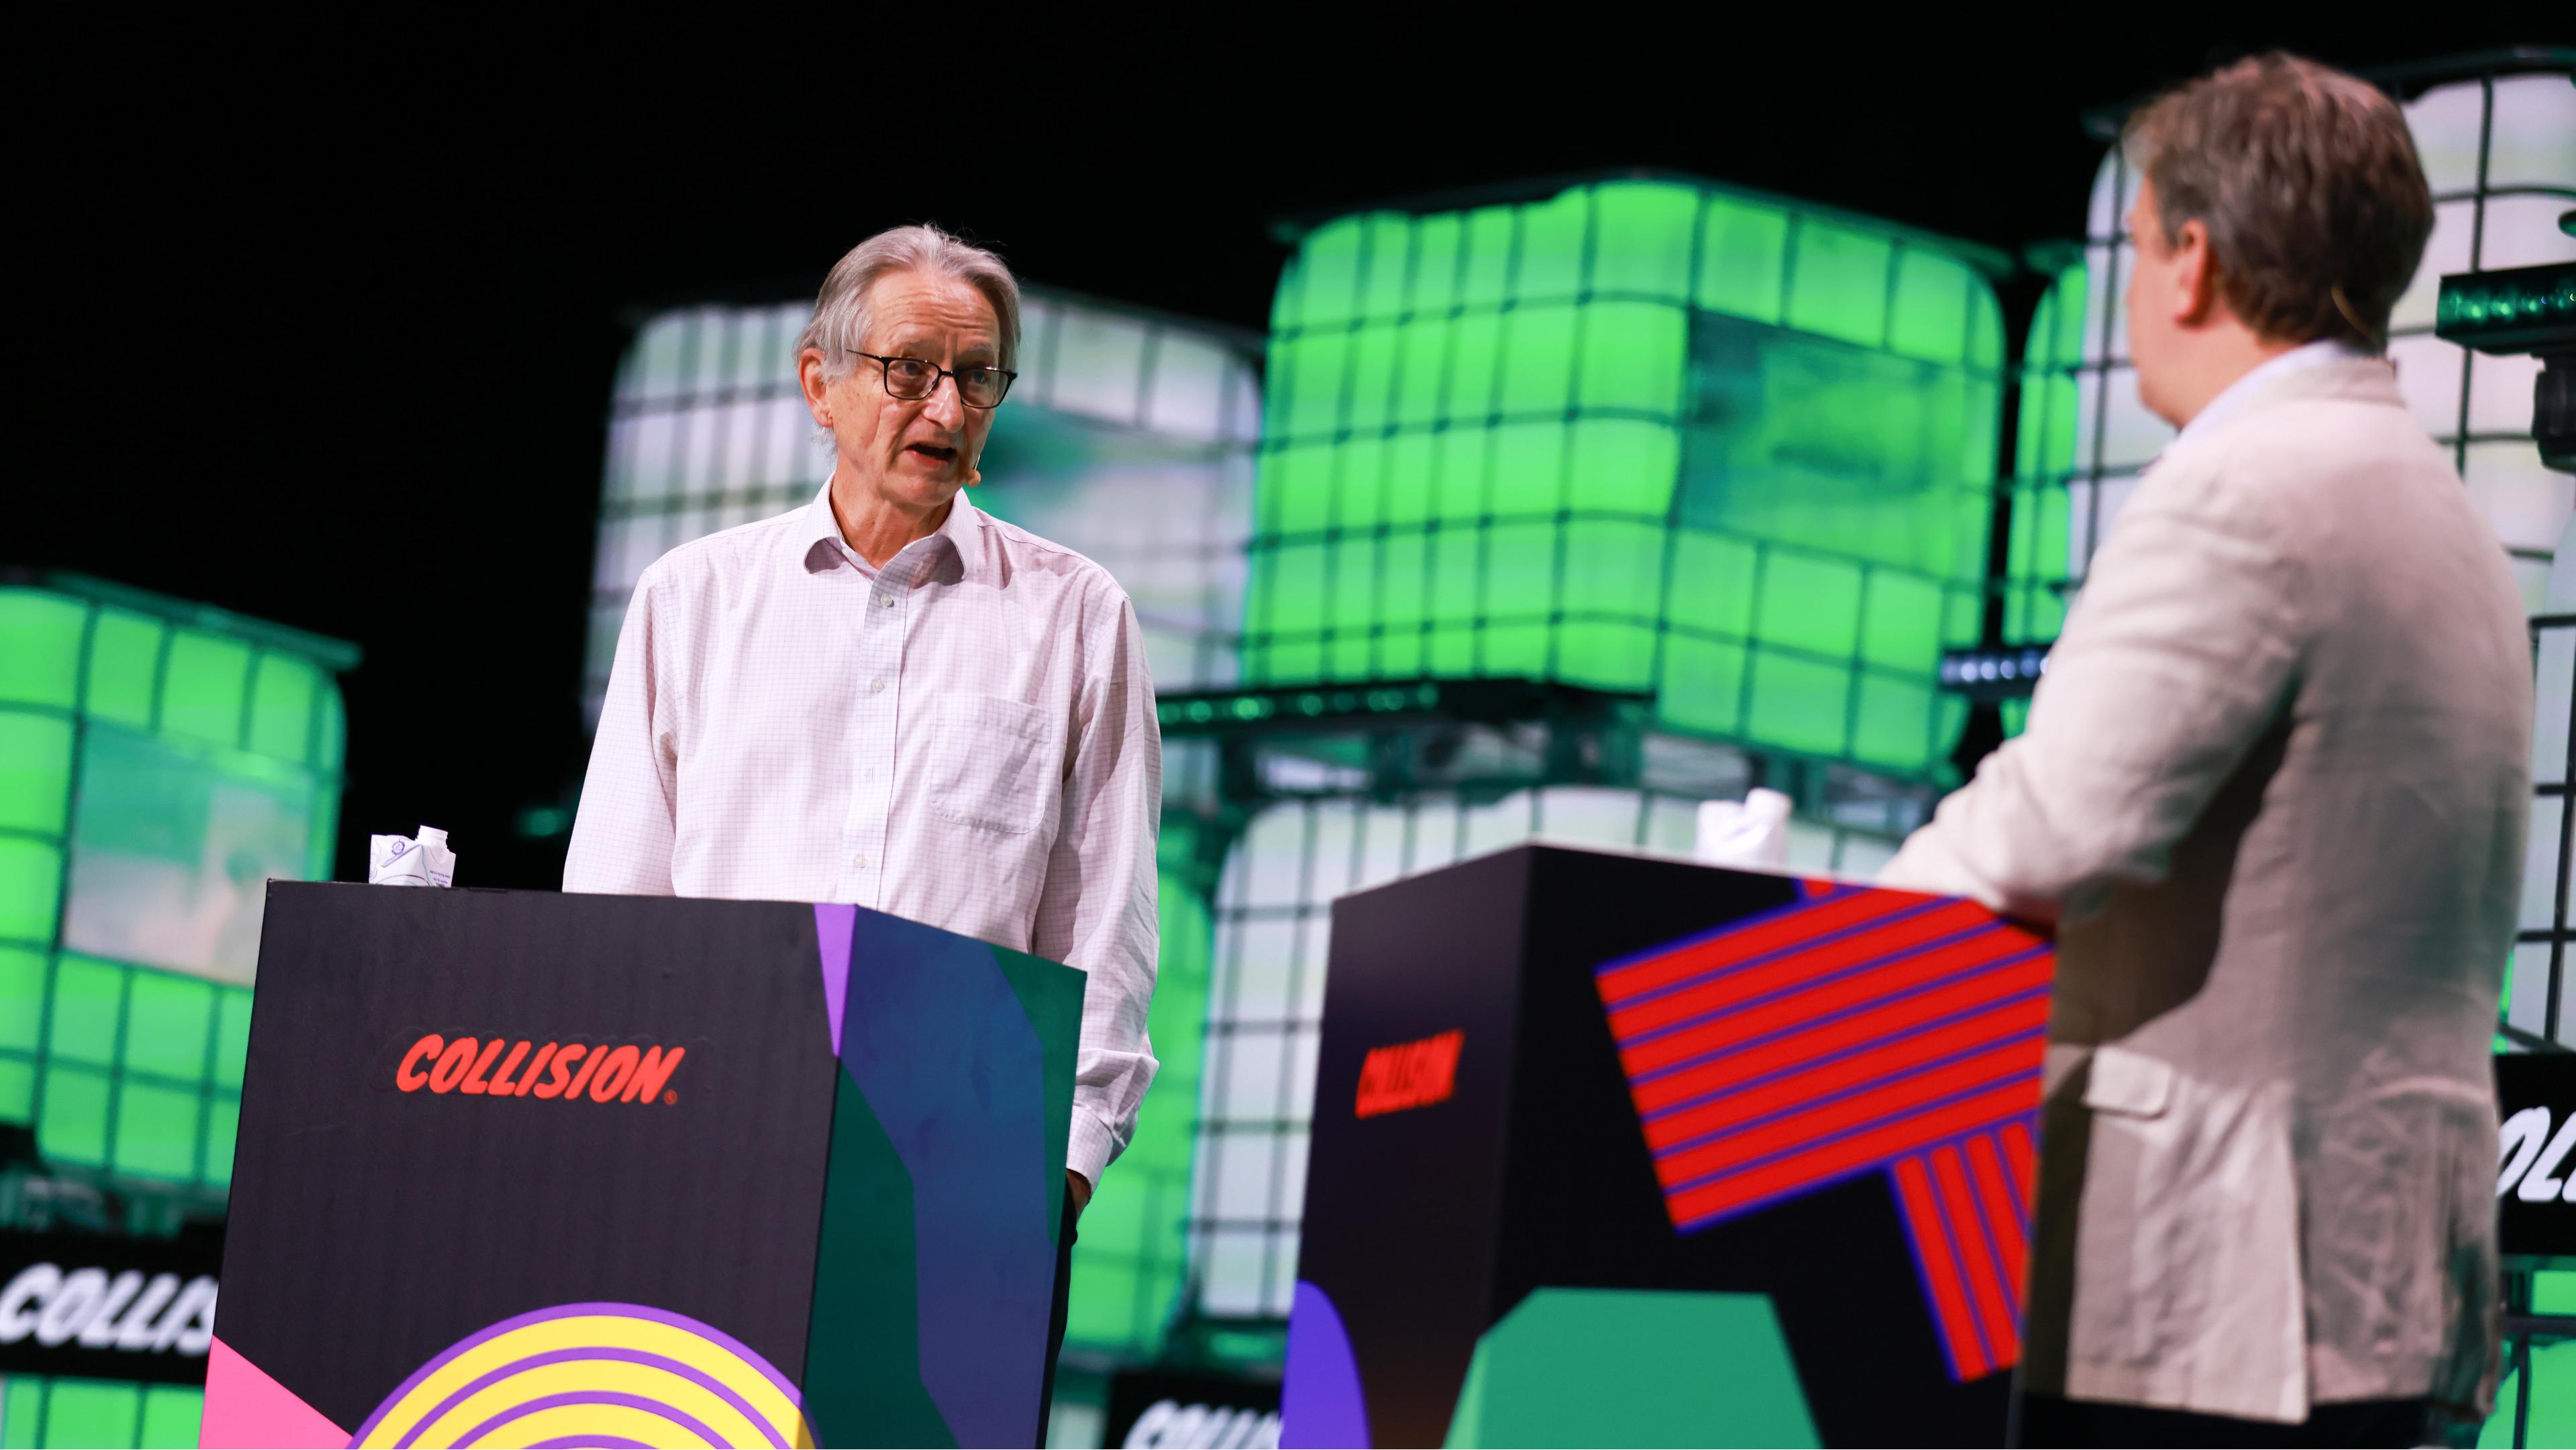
{"x": 2129, "y": 1083}
{"x": 993, "y": 768}
{"x": 2188, "y": 1284}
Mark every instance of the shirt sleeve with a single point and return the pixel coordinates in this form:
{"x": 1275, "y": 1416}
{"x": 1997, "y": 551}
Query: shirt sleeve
{"x": 2180, "y": 652}
{"x": 621, "y": 838}
{"x": 1097, "y": 910}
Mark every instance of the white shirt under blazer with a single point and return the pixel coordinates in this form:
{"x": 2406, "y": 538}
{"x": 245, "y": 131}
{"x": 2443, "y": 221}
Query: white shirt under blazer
{"x": 965, "y": 738}
{"x": 2276, "y": 776}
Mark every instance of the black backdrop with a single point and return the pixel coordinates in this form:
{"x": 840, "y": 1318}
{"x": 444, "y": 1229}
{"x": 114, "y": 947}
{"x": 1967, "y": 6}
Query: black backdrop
{"x": 319, "y": 324}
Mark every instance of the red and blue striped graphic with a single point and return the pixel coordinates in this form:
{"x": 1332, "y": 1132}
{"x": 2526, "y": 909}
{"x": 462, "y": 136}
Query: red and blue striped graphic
{"x": 1967, "y": 1214}
{"x": 1855, "y": 1031}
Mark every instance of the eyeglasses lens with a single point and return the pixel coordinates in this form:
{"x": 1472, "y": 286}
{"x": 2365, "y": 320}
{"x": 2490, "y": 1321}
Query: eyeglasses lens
{"x": 909, "y": 379}
{"x": 981, "y": 387}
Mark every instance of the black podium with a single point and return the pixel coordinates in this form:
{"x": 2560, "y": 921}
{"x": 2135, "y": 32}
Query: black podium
{"x": 1610, "y": 1150}
{"x": 521, "y": 1168}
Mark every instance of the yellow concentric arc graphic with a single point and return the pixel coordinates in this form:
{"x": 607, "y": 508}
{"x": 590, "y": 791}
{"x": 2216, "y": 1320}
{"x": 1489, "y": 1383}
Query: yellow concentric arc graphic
{"x": 593, "y": 1374}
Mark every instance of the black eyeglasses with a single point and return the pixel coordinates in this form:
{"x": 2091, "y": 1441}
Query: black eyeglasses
{"x": 911, "y": 379}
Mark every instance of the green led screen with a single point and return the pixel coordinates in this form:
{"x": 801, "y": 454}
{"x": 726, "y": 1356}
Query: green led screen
{"x": 1132, "y": 1240}
{"x": 158, "y": 763}
{"x": 2045, "y": 451}
{"x": 91, "y": 1413}
{"x": 1639, "y": 436}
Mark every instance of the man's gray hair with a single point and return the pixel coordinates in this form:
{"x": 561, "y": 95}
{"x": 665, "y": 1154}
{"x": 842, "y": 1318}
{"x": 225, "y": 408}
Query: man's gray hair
{"x": 840, "y": 323}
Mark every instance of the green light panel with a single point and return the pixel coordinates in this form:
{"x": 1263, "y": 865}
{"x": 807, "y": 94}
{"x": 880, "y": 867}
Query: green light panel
{"x": 154, "y": 773}
{"x": 2509, "y": 309}
{"x": 2553, "y": 1392}
{"x": 1126, "y": 1263}
{"x": 2044, "y": 459}
{"x": 158, "y": 763}
{"x": 75, "y": 1412}
{"x": 1640, "y": 436}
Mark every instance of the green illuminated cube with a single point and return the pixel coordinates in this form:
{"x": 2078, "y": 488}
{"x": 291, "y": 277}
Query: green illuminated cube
{"x": 1643, "y": 436}
{"x": 159, "y": 761}
{"x": 1126, "y": 1279}
{"x": 2036, "y": 570}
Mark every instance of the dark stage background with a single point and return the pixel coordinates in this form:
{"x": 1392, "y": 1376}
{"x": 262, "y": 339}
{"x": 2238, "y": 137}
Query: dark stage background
{"x": 327, "y": 337}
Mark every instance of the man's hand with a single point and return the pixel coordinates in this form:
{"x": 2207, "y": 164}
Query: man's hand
{"x": 1080, "y": 1188}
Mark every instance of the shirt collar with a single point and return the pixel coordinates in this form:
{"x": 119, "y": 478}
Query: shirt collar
{"x": 954, "y": 539}
{"x": 2233, "y": 398}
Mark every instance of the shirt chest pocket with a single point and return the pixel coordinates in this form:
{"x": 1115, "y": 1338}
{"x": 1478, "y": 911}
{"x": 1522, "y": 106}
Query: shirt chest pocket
{"x": 993, "y": 763}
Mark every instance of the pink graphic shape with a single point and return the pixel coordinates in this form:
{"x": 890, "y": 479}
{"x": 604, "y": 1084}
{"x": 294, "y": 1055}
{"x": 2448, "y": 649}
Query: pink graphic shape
{"x": 832, "y": 928}
{"x": 244, "y": 1407}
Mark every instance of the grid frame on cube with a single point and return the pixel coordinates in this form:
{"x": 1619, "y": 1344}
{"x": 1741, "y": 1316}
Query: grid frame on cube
{"x": 2535, "y": 1010}
{"x": 1292, "y": 859}
{"x": 1328, "y": 422}
{"x": 40, "y": 1410}
{"x": 1127, "y": 1264}
{"x": 148, "y": 1096}
{"x": 125, "y": 1069}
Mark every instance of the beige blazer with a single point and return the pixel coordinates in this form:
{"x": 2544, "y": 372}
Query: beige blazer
{"x": 2273, "y": 788}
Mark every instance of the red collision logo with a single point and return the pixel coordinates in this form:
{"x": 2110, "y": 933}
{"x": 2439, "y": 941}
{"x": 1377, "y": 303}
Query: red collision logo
{"x": 500, "y": 1068}
{"x": 1409, "y": 1074}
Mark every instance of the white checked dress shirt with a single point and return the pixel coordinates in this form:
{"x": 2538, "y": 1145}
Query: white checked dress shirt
{"x": 965, "y": 737}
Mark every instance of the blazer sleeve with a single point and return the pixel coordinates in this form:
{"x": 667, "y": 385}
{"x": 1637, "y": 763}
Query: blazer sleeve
{"x": 2180, "y": 652}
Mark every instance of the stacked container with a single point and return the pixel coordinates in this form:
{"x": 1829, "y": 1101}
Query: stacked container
{"x": 1639, "y": 436}
{"x": 159, "y": 762}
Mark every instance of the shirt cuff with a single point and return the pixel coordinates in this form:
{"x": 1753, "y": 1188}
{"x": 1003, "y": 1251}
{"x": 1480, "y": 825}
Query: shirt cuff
{"x": 1092, "y": 1146}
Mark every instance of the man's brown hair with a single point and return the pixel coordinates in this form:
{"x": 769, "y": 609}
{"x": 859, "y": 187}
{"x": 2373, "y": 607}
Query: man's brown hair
{"x": 2307, "y": 181}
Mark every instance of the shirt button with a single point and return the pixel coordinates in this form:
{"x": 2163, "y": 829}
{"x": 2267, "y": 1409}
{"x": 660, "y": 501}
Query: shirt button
{"x": 885, "y": 601}
{"x": 876, "y": 687}
{"x": 860, "y": 860}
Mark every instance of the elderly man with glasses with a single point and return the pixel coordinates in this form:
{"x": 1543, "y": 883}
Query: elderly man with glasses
{"x": 891, "y": 698}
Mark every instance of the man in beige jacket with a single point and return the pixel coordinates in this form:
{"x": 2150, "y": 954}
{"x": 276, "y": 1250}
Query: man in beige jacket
{"x": 2273, "y": 792}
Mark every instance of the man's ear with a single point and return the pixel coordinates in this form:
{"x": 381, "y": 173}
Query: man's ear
{"x": 2195, "y": 276}
{"x": 809, "y": 376}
